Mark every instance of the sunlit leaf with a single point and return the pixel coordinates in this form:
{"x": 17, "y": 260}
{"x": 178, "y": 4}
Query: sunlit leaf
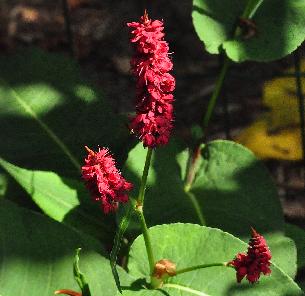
{"x": 189, "y": 245}
{"x": 63, "y": 199}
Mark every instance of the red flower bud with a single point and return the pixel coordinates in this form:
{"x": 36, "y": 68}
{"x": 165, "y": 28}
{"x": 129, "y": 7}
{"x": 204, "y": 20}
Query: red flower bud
{"x": 104, "y": 181}
{"x": 255, "y": 261}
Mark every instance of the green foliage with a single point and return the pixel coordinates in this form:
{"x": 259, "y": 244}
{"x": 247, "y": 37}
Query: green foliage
{"x": 64, "y": 200}
{"x": 43, "y": 94}
{"x": 79, "y": 276}
{"x": 189, "y": 245}
{"x": 37, "y": 255}
{"x": 3, "y": 185}
{"x": 279, "y": 28}
{"x": 232, "y": 191}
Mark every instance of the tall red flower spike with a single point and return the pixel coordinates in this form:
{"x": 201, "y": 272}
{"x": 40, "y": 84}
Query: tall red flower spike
{"x": 104, "y": 180}
{"x": 150, "y": 65}
{"x": 255, "y": 261}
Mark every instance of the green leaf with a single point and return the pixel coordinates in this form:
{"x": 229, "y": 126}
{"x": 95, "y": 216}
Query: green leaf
{"x": 280, "y": 28}
{"x": 37, "y": 253}
{"x": 189, "y": 245}
{"x": 79, "y": 276}
{"x": 46, "y": 107}
{"x": 232, "y": 191}
{"x": 63, "y": 199}
{"x": 235, "y": 192}
{"x": 3, "y": 184}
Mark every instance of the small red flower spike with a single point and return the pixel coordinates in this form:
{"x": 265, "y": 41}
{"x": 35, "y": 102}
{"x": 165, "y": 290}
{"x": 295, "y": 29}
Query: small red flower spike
{"x": 150, "y": 65}
{"x": 104, "y": 181}
{"x": 67, "y": 292}
{"x": 255, "y": 261}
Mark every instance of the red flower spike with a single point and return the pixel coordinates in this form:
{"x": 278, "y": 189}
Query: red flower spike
{"x": 104, "y": 180}
{"x": 150, "y": 65}
{"x": 255, "y": 261}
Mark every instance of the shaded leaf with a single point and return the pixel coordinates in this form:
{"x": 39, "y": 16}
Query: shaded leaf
{"x": 279, "y": 28}
{"x": 51, "y": 87}
{"x": 38, "y": 258}
{"x": 3, "y": 184}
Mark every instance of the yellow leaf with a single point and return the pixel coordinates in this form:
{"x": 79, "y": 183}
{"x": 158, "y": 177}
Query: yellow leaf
{"x": 277, "y": 135}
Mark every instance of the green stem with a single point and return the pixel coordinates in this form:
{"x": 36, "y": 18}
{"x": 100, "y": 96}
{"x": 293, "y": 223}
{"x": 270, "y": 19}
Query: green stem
{"x": 148, "y": 245}
{"x": 48, "y": 131}
{"x": 249, "y": 11}
{"x": 215, "y": 95}
{"x": 144, "y": 177}
{"x": 251, "y": 8}
{"x": 201, "y": 266}
{"x": 139, "y": 211}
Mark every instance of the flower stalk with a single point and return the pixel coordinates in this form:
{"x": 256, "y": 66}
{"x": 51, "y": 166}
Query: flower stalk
{"x": 201, "y": 266}
{"x": 248, "y": 13}
{"x": 147, "y": 241}
{"x": 140, "y": 200}
{"x": 140, "y": 214}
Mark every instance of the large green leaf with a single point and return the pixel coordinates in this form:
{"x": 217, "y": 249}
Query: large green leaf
{"x": 189, "y": 245}
{"x": 43, "y": 100}
{"x": 37, "y": 254}
{"x": 63, "y": 199}
{"x": 232, "y": 191}
{"x": 280, "y": 28}
{"x": 236, "y": 192}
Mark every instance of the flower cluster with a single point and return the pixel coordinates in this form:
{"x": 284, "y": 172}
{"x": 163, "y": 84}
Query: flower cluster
{"x": 150, "y": 65}
{"x": 104, "y": 181}
{"x": 255, "y": 261}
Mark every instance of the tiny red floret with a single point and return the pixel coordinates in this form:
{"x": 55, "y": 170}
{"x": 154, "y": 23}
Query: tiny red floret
{"x": 104, "y": 181}
{"x": 150, "y": 65}
{"x": 255, "y": 261}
